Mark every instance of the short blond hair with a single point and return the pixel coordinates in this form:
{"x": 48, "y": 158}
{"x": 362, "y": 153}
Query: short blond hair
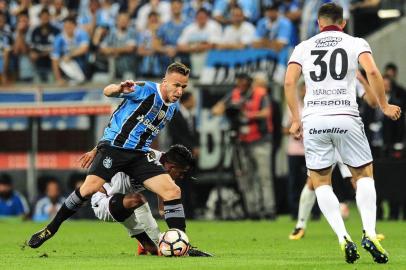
{"x": 178, "y": 67}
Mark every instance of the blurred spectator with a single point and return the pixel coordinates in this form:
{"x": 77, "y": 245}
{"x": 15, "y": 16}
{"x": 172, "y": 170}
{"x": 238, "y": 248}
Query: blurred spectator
{"x": 149, "y": 64}
{"x": 132, "y": 7}
{"x": 5, "y": 8}
{"x": 273, "y": 31}
{"x": 162, "y": 8}
{"x": 239, "y": 34}
{"x": 120, "y": 45}
{"x": 69, "y": 53}
{"x": 5, "y": 48}
{"x": 391, "y": 71}
{"x": 47, "y": 207}
{"x": 107, "y": 14}
{"x": 222, "y": 9}
{"x": 182, "y": 130}
{"x": 291, "y": 9}
{"x": 59, "y": 13}
{"x": 296, "y": 160}
{"x": 74, "y": 182}
{"x": 253, "y": 124}
{"x": 385, "y": 135}
{"x": 169, "y": 33}
{"x": 12, "y": 203}
{"x": 21, "y": 48}
{"x": 199, "y": 37}
{"x": 18, "y": 7}
{"x": 87, "y": 18}
{"x": 35, "y": 10}
{"x": 192, "y": 6}
{"x": 41, "y": 43}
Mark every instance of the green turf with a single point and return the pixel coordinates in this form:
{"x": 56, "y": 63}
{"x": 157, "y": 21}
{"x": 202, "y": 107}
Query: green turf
{"x": 236, "y": 245}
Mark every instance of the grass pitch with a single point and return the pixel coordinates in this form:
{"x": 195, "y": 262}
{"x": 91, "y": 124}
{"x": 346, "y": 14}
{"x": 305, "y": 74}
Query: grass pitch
{"x": 236, "y": 245}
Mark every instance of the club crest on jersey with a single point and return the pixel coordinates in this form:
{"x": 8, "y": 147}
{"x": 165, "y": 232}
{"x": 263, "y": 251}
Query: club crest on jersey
{"x": 151, "y": 156}
{"x": 107, "y": 162}
{"x": 161, "y": 115}
{"x": 327, "y": 42}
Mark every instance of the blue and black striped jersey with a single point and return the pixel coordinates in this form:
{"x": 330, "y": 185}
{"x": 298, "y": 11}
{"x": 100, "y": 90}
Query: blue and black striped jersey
{"x": 139, "y": 118}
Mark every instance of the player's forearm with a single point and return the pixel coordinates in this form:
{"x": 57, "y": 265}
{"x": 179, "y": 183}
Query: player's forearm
{"x": 112, "y": 90}
{"x": 291, "y": 100}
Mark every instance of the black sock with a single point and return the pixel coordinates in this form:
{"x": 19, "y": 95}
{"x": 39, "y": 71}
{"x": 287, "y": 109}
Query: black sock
{"x": 146, "y": 242}
{"x": 69, "y": 207}
{"x": 174, "y": 214}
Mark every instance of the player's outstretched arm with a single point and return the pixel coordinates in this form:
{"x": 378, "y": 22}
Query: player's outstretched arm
{"x": 292, "y": 76}
{"x": 375, "y": 80}
{"x": 126, "y": 87}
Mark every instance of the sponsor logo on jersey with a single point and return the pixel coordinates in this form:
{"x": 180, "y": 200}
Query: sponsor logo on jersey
{"x": 337, "y": 102}
{"x": 151, "y": 156}
{"x": 333, "y": 130}
{"x": 107, "y": 162}
{"x": 328, "y": 42}
{"x": 148, "y": 124}
{"x": 340, "y": 91}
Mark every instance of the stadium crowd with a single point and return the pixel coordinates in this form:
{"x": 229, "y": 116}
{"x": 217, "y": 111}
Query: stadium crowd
{"x": 69, "y": 42}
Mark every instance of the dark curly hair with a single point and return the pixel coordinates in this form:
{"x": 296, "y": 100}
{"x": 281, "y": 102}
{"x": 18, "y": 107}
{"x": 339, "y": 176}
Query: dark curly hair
{"x": 180, "y": 155}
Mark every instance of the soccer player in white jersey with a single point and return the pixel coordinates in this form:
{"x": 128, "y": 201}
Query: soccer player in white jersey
{"x": 330, "y": 120}
{"x": 308, "y": 196}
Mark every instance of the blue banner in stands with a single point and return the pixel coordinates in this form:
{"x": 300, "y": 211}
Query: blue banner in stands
{"x": 221, "y": 66}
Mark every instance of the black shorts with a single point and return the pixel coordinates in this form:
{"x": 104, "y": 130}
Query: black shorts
{"x": 110, "y": 160}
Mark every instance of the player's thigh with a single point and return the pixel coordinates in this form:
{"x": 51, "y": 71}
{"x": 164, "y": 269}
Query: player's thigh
{"x": 319, "y": 150}
{"x": 320, "y": 177}
{"x": 351, "y": 141}
{"x": 91, "y": 185}
{"x": 361, "y": 172}
{"x": 164, "y": 186}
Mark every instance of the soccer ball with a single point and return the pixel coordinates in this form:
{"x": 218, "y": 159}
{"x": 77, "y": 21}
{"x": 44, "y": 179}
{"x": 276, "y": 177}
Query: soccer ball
{"x": 173, "y": 243}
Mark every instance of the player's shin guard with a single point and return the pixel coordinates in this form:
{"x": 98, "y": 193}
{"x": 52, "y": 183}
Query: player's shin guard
{"x": 174, "y": 214}
{"x": 366, "y": 202}
{"x": 73, "y": 203}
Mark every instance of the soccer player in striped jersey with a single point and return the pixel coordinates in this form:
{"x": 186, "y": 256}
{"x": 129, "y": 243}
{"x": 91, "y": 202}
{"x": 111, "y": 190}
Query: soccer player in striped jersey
{"x": 121, "y": 200}
{"x": 146, "y": 108}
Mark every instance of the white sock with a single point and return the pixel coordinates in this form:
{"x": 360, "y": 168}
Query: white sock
{"x": 366, "y": 202}
{"x": 330, "y": 207}
{"x": 307, "y": 200}
{"x": 144, "y": 215}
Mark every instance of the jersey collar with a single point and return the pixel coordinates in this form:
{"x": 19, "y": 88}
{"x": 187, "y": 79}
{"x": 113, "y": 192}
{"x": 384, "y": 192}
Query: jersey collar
{"x": 331, "y": 28}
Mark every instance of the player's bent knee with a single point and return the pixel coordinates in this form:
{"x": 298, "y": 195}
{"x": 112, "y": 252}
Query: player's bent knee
{"x": 172, "y": 193}
{"x": 134, "y": 200}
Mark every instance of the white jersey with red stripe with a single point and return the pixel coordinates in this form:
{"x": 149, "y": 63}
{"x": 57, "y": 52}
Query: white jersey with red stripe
{"x": 329, "y": 64}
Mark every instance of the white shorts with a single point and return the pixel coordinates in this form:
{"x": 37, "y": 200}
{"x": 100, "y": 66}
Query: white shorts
{"x": 322, "y": 134}
{"x": 100, "y": 204}
{"x": 344, "y": 171}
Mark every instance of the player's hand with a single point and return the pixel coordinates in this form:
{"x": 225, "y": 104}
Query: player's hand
{"x": 296, "y": 130}
{"x": 127, "y": 86}
{"x": 392, "y": 111}
{"x": 87, "y": 159}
